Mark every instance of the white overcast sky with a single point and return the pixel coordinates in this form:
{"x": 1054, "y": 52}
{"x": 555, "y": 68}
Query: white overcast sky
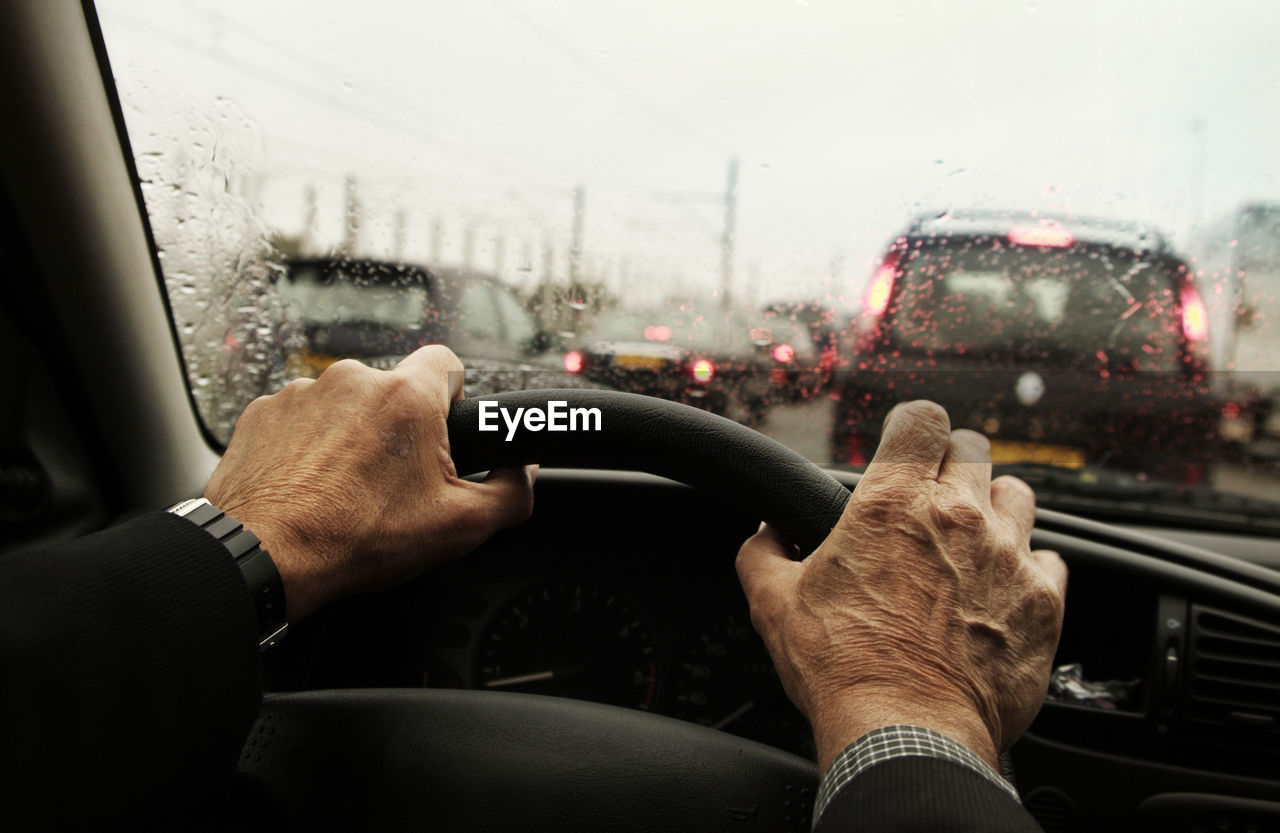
{"x": 848, "y": 117}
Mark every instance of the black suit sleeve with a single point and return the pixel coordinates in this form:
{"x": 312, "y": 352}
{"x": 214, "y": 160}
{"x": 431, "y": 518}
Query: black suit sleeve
{"x": 923, "y": 795}
{"x": 129, "y": 675}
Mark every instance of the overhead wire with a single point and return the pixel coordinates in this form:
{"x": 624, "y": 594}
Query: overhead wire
{"x": 377, "y": 89}
{"x": 326, "y": 97}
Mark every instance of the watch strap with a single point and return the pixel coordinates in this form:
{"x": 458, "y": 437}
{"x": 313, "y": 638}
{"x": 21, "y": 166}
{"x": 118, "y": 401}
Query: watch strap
{"x": 255, "y": 563}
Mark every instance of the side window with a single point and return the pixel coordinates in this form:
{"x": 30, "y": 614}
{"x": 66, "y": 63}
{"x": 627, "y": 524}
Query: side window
{"x": 520, "y": 328}
{"x": 477, "y": 313}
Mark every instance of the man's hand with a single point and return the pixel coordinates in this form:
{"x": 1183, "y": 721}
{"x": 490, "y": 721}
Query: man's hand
{"x": 924, "y": 606}
{"x": 348, "y": 481}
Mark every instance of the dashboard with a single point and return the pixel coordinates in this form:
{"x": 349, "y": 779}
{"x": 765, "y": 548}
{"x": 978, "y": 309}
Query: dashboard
{"x": 621, "y": 589}
{"x": 638, "y": 607}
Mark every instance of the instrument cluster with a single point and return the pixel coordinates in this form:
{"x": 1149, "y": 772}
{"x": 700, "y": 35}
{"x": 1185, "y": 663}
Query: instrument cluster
{"x": 668, "y": 634}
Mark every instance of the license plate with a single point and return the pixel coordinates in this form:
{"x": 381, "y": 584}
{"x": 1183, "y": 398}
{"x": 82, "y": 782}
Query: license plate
{"x": 638, "y": 362}
{"x": 778, "y": 375}
{"x": 1007, "y": 451}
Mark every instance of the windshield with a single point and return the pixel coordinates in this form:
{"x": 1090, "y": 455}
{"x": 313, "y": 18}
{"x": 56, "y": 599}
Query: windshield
{"x": 779, "y": 187}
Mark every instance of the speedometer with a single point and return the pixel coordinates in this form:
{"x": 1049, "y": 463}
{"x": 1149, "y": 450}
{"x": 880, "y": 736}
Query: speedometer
{"x": 726, "y": 680}
{"x": 570, "y": 639}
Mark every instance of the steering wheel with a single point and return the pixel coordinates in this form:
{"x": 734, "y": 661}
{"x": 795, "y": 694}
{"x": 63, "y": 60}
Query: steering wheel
{"x": 476, "y": 760}
{"x": 402, "y": 759}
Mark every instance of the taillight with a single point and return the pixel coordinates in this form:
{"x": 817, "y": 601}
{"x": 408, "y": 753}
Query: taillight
{"x": 703, "y": 371}
{"x": 853, "y": 451}
{"x": 573, "y": 361}
{"x": 881, "y": 288}
{"x": 1050, "y": 236}
{"x": 657, "y": 332}
{"x": 1195, "y": 320}
{"x": 784, "y": 353}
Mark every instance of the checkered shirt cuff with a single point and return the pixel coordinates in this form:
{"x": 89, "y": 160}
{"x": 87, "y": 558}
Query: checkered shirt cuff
{"x": 891, "y": 742}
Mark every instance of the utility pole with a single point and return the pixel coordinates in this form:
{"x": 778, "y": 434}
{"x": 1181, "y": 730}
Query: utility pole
{"x": 624, "y": 277}
{"x": 575, "y": 251}
{"x": 499, "y": 254}
{"x": 437, "y": 239}
{"x": 351, "y": 216}
{"x": 308, "y": 219}
{"x": 397, "y": 244}
{"x": 1199, "y": 156}
{"x": 548, "y": 313}
{"x": 526, "y": 258}
{"x": 727, "y": 242}
{"x": 575, "y": 246}
{"x": 468, "y": 246}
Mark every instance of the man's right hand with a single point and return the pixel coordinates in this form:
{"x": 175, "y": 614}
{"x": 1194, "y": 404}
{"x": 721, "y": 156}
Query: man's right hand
{"x": 348, "y": 480}
{"x": 924, "y": 606}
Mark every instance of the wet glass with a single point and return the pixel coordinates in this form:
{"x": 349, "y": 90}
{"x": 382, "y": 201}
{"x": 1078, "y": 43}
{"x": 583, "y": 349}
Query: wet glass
{"x": 722, "y": 174}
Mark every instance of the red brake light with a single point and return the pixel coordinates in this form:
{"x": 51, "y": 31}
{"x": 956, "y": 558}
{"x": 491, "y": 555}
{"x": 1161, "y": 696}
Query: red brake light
{"x": 1195, "y": 321}
{"x": 1040, "y": 236}
{"x": 784, "y": 353}
{"x": 573, "y": 361}
{"x": 661, "y": 332}
{"x": 881, "y": 288}
{"x": 703, "y": 371}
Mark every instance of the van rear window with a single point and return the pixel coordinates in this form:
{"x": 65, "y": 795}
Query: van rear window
{"x": 997, "y": 300}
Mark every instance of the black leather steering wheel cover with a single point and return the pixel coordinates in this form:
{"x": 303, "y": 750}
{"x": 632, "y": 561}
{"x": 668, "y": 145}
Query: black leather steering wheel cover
{"x": 407, "y": 759}
{"x": 641, "y": 433}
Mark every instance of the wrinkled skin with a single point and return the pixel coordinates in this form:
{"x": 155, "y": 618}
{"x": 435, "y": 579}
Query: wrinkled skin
{"x": 924, "y": 606}
{"x": 348, "y": 481}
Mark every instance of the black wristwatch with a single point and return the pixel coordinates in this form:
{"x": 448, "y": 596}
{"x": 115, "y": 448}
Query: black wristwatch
{"x": 255, "y": 563}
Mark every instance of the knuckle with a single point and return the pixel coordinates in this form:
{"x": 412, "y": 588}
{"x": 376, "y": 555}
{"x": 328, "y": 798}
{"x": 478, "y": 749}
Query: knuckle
{"x": 295, "y": 386}
{"x": 255, "y": 407}
{"x": 444, "y": 358}
{"x": 1046, "y": 599}
{"x": 433, "y": 372}
{"x": 925, "y": 415}
{"x": 960, "y": 511}
{"x": 396, "y": 387}
{"x": 344, "y": 370}
{"x": 876, "y": 505}
{"x": 972, "y": 444}
{"x": 1013, "y": 487}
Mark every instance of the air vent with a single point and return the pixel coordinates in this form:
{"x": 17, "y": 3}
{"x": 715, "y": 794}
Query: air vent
{"x": 1234, "y": 675}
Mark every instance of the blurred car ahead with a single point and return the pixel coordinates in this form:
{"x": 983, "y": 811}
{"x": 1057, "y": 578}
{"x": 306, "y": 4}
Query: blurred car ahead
{"x": 1066, "y": 342}
{"x": 379, "y": 312}
{"x": 707, "y": 360}
{"x": 800, "y": 341}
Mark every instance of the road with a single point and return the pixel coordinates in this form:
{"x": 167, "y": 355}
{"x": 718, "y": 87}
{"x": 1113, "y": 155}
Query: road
{"x": 805, "y": 427}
